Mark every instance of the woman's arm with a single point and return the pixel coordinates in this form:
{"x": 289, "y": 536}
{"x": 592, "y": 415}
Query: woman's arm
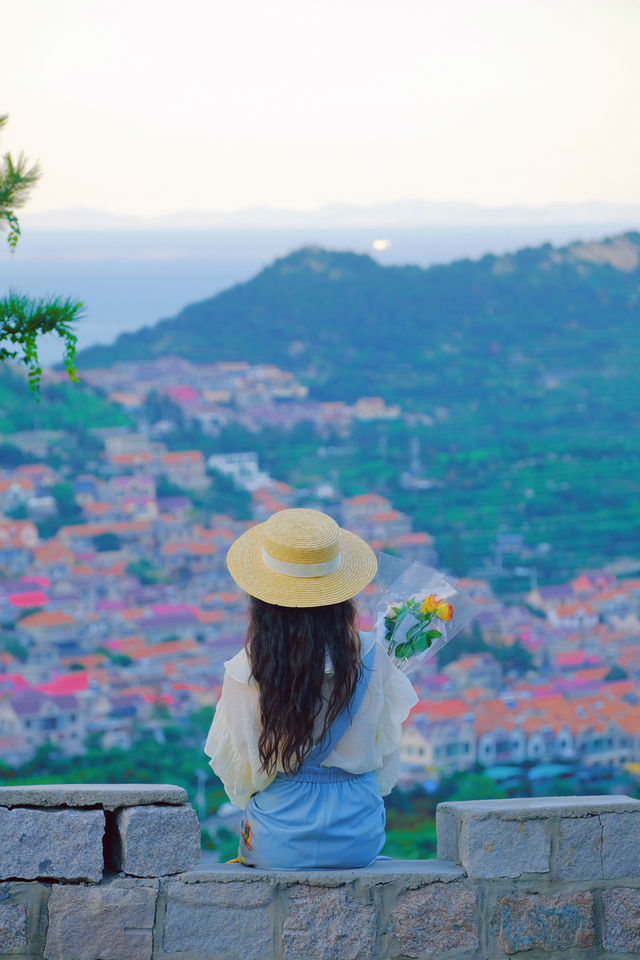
{"x": 232, "y": 742}
{"x": 399, "y": 697}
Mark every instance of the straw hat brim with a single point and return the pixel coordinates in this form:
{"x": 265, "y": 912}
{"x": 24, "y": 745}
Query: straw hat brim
{"x": 357, "y": 568}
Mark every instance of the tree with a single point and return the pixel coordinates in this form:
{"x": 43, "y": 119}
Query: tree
{"x": 23, "y": 319}
{"x": 106, "y": 541}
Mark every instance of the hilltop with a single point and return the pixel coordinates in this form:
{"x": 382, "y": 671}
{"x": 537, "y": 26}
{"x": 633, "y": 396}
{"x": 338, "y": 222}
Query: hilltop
{"x": 516, "y": 376}
{"x": 349, "y": 325}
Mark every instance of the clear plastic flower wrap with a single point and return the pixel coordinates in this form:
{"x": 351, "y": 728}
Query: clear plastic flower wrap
{"x": 417, "y": 609}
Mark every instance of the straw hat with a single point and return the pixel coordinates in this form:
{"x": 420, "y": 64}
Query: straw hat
{"x": 301, "y": 558}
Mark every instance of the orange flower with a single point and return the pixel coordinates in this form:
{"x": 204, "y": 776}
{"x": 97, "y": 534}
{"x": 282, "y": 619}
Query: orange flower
{"x": 444, "y": 611}
{"x": 430, "y": 603}
{"x": 247, "y": 835}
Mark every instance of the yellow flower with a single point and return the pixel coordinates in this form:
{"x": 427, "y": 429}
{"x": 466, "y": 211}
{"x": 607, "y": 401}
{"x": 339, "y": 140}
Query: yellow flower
{"x": 444, "y": 611}
{"x": 430, "y": 603}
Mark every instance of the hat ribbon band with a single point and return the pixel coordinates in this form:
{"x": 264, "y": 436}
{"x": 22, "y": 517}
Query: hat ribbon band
{"x": 300, "y": 569}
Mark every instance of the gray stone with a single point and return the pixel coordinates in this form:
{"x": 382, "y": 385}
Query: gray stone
{"x": 327, "y": 925}
{"x": 620, "y": 844}
{"x": 64, "y": 844}
{"x": 405, "y": 872}
{"x": 503, "y": 848}
{"x": 526, "y": 808}
{"x": 108, "y": 922}
{"x": 108, "y": 796}
{"x": 446, "y": 830}
{"x": 154, "y": 841}
{"x": 579, "y": 855}
{"x": 435, "y": 919}
{"x": 13, "y": 926}
{"x": 621, "y": 920}
{"x": 549, "y": 923}
{"x": 230, "y": 920}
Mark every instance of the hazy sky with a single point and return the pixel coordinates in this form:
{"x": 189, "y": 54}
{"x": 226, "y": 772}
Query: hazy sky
{"x": 145, "y": 107}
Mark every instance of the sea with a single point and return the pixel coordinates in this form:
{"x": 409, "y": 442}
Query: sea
{"x": 128, "y": 279}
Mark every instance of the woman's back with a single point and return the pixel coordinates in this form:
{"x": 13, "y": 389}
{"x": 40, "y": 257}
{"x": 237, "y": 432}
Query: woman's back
{"x": 306, "y": 734}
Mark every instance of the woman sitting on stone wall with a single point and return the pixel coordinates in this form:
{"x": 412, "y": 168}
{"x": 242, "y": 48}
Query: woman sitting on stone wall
{"x": 306, "y": 734}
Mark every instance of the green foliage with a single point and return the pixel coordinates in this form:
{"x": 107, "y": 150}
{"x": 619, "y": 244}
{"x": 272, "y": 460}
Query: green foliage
{"x": 616, "y": 673}
{"x": 417, "y": 843}
{"x": 73, "y": 408}
{"x": 118, "y": 659}
{"x": 103, "y": 542}
{"x": 226, "y": 843}
{"x": 476, "y": 786}
{"x": 22, "y": 319}
{"x": 69, "y": 510}
{"x": 11, "y": 456}
{"x": 19, "y": 512}
{"x": 13, "y": 646}
{"x": 146, "y": 572}
{"x": 17, "y": 179}
{"x": 467, "y": 641}
{"x": 514, "y": 658}
{"x": 521, "y": 365}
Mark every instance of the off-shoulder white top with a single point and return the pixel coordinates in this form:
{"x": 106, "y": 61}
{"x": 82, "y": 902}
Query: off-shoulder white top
{"x": 372, "y": 741}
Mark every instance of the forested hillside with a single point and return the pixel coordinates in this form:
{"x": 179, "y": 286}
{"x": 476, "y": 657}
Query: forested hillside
{"x": 523, "y": 369}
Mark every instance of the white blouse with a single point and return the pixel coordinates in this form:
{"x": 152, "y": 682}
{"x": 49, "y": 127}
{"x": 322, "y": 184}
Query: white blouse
{"x": 372, "y": 741}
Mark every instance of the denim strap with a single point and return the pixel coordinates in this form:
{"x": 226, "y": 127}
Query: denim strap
{"x": 341, "y": 723}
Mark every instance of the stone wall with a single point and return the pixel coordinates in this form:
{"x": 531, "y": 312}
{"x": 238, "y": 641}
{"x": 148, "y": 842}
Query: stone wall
{"x": 110, "y": 873}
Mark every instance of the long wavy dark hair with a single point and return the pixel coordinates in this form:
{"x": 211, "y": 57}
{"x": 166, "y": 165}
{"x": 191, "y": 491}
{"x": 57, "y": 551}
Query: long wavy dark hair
{"x": 286, "y": 647}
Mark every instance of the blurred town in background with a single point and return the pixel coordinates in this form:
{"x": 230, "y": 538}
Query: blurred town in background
{"x": 117, "y": 611}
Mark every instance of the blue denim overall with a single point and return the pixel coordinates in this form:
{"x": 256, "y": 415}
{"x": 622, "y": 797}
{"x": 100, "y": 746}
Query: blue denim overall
{"x": 319, "y": 817}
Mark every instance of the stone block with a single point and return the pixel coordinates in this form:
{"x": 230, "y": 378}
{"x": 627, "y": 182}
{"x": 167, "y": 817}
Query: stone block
{"x": 152, "y": 841}
{"x": 231, "y": 920}
{"x": 109, "y": 796}
{"x": 621, "y": 921}
{"x": 579, "y": 854}
{"x": 63, "y": 844}
{"x": 446, "y": 830}
{"x": 107, "y": 922}
{"x": 549, "y": 923}
{"x": 494, "y": 847}
{"x": 620, "y": 844}
{"x": 327, "y": 924}
{"x": 436, "y": 919}
{"x": 13, "y": 926}
{"x": 527, "y": 808}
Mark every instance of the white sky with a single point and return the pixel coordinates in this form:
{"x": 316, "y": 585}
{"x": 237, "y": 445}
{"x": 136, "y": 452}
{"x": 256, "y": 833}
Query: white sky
{"x": 149, "y": 107}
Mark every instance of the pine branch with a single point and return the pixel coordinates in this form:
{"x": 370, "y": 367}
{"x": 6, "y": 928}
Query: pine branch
{"x": 23, "y": 320}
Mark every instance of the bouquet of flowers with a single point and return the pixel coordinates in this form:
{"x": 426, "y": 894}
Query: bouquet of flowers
{"x": 418, "y": 610}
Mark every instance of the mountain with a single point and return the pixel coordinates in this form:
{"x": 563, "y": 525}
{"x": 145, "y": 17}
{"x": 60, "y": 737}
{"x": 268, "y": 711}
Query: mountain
{"x": 400, "y": 213}
{"x": 351, "y": 326}
{"x": 517, "y": 376}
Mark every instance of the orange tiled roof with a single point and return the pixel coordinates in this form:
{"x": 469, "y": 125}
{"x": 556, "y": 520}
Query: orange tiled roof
{"x": 52, "y": 552}
{"x": 569, "y": 609}
{"x": 179, "y": 456}
{"x": 386, "y": 516}
{"x": 114, "y": 526}
{"x": 362, "y": 499}
{"x": 441, "y": 709}
{"x": 99, "y": 509}
{"x": 124, "y": 459}
{"x": 23, "y": 482}
{"x": 132, "y": 613}
{"x": 196, "y": 549}
{"x": 408, "y": 539}
{"x": 47, "y": 618}
{"x": 210, "y": 616}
